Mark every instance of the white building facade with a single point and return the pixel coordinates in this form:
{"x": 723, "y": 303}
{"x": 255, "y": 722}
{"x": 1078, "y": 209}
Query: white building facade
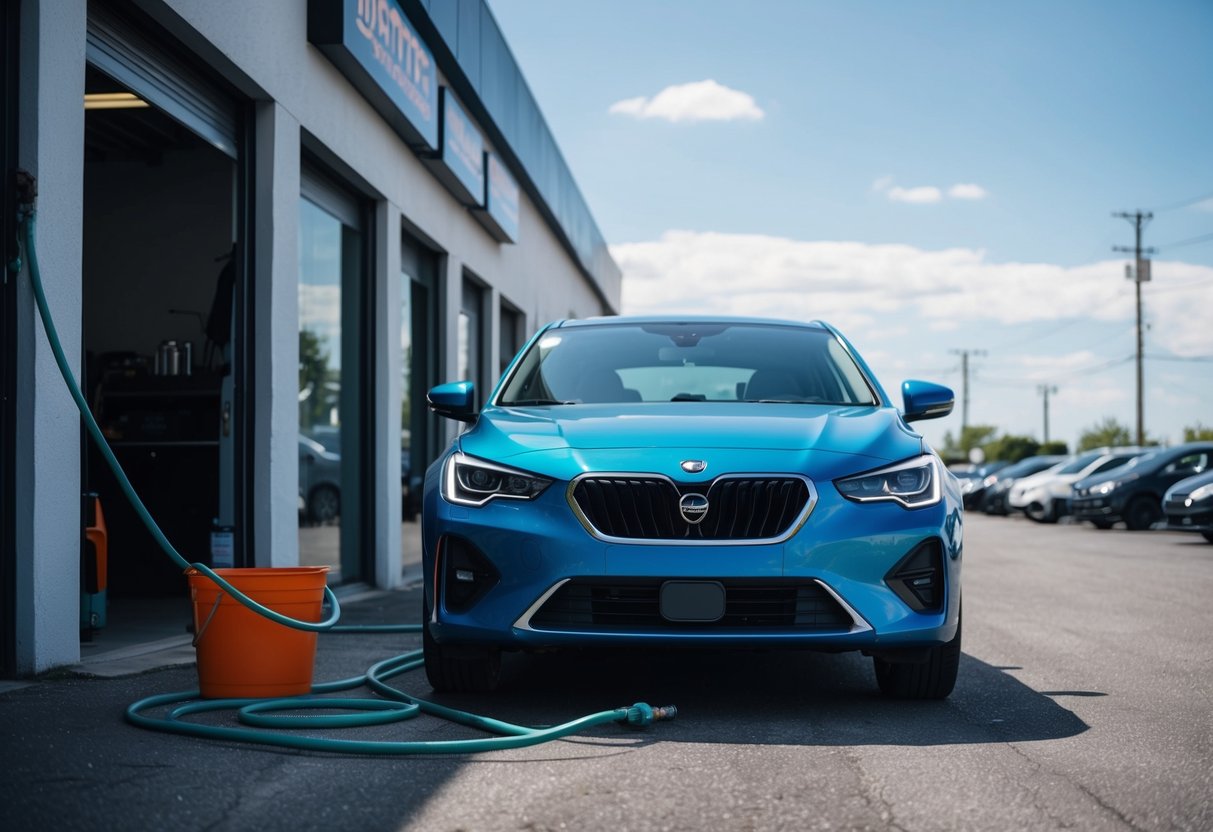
{"x": 264, "y": 230}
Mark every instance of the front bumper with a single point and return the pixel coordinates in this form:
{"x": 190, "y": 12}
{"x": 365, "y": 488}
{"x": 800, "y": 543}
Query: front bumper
{"x": 1197, "y": 517}
{"x": 536, "y": 549}
{"x": 1096, "y": 508}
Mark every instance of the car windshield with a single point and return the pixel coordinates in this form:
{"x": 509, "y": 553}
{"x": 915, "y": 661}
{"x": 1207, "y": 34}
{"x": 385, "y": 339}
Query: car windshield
{"x": 1079, "y": 462}
{"x": 687, "y": 362}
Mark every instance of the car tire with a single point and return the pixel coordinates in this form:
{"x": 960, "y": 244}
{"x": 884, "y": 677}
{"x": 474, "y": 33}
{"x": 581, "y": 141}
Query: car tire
{"x": 1039, "y": 513}
{"x": 458, "y": 668}
{"x": 1141, "y": 513}
{"x": 1207, "y": 536}
{"x": 933, "y": 679}
{"x": 323, "y": 504}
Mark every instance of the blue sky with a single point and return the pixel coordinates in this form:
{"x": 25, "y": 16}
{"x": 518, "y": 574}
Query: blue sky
{"x": 929, "y": 176}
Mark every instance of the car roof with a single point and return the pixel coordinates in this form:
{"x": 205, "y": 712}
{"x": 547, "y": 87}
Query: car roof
{"x": 616, "y": 320}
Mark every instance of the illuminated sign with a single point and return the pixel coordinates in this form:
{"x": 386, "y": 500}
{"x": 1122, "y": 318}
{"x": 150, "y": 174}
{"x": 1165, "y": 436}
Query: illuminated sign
{"x": 378, "y": 50}
{"x": 462, "y": 153}
{"x": 501, "y": 201}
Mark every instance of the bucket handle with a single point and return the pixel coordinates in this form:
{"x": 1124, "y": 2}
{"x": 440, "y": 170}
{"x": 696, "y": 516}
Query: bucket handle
{"x": 207, "y": 623}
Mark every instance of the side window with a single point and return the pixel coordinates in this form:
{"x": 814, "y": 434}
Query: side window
{"x": 1190, "y": 464}
{"x": 1108, "y": 464}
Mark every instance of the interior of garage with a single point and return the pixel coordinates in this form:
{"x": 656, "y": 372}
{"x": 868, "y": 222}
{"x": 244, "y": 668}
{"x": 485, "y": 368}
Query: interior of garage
{"x": 157, "y": 327}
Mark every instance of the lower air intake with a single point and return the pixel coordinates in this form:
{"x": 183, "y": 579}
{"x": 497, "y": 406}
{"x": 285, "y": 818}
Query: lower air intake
{"x": 634, "y": 604}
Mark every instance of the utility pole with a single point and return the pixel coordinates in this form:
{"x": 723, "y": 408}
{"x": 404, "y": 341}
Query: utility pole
{"x": 964, "y": 385}
{"x": 1141, "y": 273}
{"x": 1045, "y": 390}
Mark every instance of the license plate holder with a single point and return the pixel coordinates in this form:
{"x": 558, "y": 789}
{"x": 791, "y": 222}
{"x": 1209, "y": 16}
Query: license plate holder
{"x": 692, "y": 601}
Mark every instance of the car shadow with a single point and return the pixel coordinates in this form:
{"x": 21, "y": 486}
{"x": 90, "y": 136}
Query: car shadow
{"x": 775, "y": 697}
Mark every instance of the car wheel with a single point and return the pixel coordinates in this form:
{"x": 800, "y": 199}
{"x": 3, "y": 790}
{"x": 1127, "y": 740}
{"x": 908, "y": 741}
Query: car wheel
{"x": 1039, "y": 513}
{"x": 1207, "y": 536}
{"x": 324, "y": 504}
{"x": 932, "y": 679}
{"x": 1141, "y": 513}
{"x": 458, "y": 668}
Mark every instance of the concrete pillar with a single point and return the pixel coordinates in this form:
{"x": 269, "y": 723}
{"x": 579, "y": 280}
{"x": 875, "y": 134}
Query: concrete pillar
{"x": 275, "y": 287}
{"x": 387, "y": 389}
{"x": 48, "y": 523}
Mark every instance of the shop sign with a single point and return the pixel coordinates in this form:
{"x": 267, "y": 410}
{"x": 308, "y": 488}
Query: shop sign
{"x": 462, "y": 151}
{"x": 375, "y": 46}
{"x": 501, "y": 201}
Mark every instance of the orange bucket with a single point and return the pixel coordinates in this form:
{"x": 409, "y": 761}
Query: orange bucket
{"x": 244, "y": 655}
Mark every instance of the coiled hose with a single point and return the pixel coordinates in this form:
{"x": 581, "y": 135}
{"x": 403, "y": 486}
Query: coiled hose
{"x": 261, "y": 713}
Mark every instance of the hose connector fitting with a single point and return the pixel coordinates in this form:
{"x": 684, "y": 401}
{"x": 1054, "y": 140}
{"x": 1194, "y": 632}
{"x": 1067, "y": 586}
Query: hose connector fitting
{"x": 642, "y": 714}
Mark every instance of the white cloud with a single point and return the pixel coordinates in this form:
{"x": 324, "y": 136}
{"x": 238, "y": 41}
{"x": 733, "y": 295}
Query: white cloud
{"x": 921, "y": 195}
{"x": 1204, "y": 205}
{"x": 967, "y": 190}
{"x": 697, "y": 101}
{"x": 630, "y": 106}
{"x": 926, "y": 194}
{"x": 859, "y": 286}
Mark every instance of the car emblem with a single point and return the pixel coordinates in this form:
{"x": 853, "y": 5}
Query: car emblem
{"x": 694, "y": 466}
{"x": 693, "y": 507}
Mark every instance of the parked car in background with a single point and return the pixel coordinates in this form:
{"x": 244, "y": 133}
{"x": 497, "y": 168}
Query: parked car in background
{"x": 319, "y": 481}
{"x": 973, "y": 488}
{"x": 1046, "y": 497}
{"x": 1133, "y": 493}
{"x": 997, "y": 486}
{"x": 1188, "y": 505}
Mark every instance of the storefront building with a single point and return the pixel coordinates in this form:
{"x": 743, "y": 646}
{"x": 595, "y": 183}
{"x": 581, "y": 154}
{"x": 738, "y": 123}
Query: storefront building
{"x": 264, "y": 230}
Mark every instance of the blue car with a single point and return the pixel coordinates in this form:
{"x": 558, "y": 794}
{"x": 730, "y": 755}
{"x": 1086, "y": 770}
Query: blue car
{"x": 721, "y": 482}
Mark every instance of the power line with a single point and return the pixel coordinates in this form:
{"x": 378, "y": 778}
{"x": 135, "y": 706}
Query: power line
{"x": 1200, "y": 359}
{"x": 1204, "y": 238}
{"x": 1078, "y": 371}
{"x": 1176, "y": 205}
{"x": 1086, "y": 318}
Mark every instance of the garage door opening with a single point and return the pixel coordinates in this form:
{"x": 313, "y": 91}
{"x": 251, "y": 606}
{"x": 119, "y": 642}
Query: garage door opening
{"x": 158, "y": 288}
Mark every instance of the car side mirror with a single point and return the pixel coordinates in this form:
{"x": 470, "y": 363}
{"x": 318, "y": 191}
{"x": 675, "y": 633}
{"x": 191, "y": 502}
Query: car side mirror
{"x": 924, "y": 400}
{"x": 454, "y": 400}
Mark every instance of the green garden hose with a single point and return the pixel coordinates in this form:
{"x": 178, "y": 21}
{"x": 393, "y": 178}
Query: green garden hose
{"x": 260, "y": 713}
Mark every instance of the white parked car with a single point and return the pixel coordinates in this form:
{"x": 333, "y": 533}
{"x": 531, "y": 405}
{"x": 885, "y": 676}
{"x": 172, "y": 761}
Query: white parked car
{"x": 1044, "y": 497}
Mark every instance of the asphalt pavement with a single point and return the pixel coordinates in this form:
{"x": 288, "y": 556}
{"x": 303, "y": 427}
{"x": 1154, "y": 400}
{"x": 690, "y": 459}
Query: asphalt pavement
{"x": 1083, "y": 703}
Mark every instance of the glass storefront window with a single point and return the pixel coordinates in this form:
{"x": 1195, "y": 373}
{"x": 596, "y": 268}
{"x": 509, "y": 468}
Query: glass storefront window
{"x": 419, "y": 331}
{"x": 510, "y": 340}
{"x": 330, "y": 279}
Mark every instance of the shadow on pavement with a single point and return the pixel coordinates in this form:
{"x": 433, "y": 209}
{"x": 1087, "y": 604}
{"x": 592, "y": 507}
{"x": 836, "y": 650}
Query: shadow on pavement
{"x": 777, "y": 697}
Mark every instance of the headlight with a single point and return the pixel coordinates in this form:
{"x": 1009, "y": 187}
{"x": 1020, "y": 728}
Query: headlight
{"x": 913, "y": 484}
{"x": 1104, "y": 488}
{"x": 473, "y": 482}
{"x": 1204, "y": 492}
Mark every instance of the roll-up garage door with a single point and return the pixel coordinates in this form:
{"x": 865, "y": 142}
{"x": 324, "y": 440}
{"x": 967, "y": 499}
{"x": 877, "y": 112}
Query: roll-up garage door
{"x": 123, "y": 50}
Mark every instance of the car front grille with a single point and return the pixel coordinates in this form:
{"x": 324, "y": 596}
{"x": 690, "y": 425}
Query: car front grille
{"x": 634, "y": 604}
{"x": 645, "y": 507}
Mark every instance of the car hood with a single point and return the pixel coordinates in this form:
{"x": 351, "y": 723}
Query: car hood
{"x": 563, "y": 441}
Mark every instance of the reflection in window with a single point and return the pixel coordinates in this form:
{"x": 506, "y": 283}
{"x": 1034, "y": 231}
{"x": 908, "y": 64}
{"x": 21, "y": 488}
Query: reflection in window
{"x": 319, "y": 321}
{"x": 510, "y": 336}
{"x": 330, "y": 269}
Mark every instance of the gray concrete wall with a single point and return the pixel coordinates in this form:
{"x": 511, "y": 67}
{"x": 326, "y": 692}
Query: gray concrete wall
{"x": 48, "y": 425}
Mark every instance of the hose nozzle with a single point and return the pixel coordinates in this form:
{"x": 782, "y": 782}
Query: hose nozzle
{"x": 642, "y": 714}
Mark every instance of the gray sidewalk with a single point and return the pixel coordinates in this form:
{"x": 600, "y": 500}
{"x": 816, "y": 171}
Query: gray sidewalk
{"x": 71, "y": 761}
